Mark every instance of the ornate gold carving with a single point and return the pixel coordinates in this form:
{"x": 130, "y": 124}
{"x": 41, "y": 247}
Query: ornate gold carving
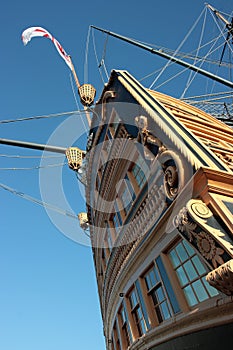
{"x": 83, "y": 221}
{"x": 141, "y": 122}
{"x": 222, "y": 278}
{"x": 203, "y": 237}
{"x": 227, "y": 158}
{"x": 197, "y": 224}
{"x": 208, "y": 249}
{"x": 146, "y": 138}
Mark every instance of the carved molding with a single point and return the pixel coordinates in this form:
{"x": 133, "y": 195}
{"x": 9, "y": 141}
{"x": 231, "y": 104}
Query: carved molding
{"x": 197, "y": 224}
{"x": 226, "y": 157}
{"x": 146, "y": 138}
{"x": 147, "y": 214}
{"x": 174, "y": 176}
{"x": 222, "y": 278}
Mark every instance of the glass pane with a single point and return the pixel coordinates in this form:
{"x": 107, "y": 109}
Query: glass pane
{"x": 189, "y": 248}
{"x": 148, "y": 282}
{"x": 174, "y": 258}
{"x": 143, "y": 307}
{"x": 133, "y": 299}
{"x": 154, "y": 277}
{"x": 165, "y": 310}
{"x": 192, "y": 300}
{"x": 199, "y": 266}
{"x": 160, "y": 294}
{"x": 143, "y": 328}
{"x": 139, "y": 311}
{"x": 211, "y": 290}
{"x": 182, "y": 276}
{"x": 200, "y": 290}
{"x": 181, "y": 252}
{"x": 123, "y": 316}
{"x": 190, "y": 271}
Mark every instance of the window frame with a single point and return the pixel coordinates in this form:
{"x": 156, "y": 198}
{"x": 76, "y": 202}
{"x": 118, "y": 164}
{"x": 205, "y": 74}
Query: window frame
{"x": 192, "y": 295}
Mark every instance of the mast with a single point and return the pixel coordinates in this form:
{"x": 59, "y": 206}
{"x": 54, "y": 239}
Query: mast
{"x": 167, "y": 56}
{"x": 74, "y": 155}
{"x": 219, "y": 15}
{"x": 229, "y": 27}
{"x": 74, "y": 74}
{"x": 79, "y": 87}
{"x": 32, "y": 145}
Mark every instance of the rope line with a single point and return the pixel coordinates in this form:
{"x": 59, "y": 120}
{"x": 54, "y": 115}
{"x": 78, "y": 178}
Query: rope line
{"x": 29, "y": 157}
{"x": 39, "y": 202}
{"x": 41, "y": 117}
{"x": 178, "y": 48}
{"x": 36, "y": 167}
{"x": 76, "y": 101}
{"x": 96, "y": 57}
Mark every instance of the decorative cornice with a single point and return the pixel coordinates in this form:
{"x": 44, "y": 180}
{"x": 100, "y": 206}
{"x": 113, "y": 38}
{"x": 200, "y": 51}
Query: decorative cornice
{"x": 186, "y": 142}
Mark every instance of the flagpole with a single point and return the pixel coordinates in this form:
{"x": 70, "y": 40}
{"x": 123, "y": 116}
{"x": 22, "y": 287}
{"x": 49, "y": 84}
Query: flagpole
{"x": 78, "y": 87}
{"x": 74, "y": 73}
{"x": 86, "y": 91}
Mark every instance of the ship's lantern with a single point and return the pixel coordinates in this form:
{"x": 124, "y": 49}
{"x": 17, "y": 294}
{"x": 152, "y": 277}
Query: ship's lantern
{"x": 87, "y": 94}
{"x": 83, "y": 221}
{"x": 75, "y": 157}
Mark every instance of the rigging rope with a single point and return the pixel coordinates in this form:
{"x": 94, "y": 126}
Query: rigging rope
{"x": 224, "y": 94}
{"x": 36, "y": 167}
{"x": 220, "y": 30}
{"x": 31, "y": 157}
{"x": 181, "y": 44}
{"x": 192, "y": 75}
{"x": 186, "y": 69}
{"x": 97, "y": 60}
{"x": 40, "y": 117}
{"x": 39, "y": 202}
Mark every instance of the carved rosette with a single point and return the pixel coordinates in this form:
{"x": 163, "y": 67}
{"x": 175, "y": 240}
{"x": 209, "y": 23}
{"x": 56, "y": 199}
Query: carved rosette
{"x": 208, "y": 248}
{"x": 203, "y": 240}
{"x": 196, "y": 223}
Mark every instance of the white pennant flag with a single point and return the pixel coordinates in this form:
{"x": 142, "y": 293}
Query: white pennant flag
{"x": 31, "y": 32}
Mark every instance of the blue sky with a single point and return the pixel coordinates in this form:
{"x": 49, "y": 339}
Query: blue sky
{"x": 48, "y": 294}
